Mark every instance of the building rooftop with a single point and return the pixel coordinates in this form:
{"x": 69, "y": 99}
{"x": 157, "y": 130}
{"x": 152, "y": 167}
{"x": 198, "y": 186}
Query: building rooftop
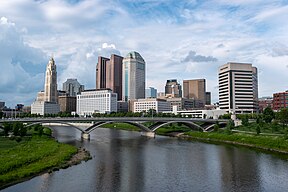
{"x": 134, "y": 55}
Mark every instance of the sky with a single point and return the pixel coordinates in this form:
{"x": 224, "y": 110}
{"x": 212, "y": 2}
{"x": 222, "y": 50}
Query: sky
{"x": 187, "y": 39}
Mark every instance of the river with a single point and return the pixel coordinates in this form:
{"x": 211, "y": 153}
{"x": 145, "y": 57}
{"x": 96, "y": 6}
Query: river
{"x": 125, "y": 161}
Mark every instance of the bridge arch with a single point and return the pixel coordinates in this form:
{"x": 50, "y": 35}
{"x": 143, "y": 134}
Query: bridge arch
{"x": 64, "y": 123}
{"x": 99, "y": 124}
{"x": 191, "y": 125}
{"x": 211, "y": 127}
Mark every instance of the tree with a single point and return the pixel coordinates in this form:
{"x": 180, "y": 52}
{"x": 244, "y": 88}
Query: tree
{"x": 40, "y": 131}
{"x": 283, "y": 116}
{"x": 258, "y": 129}
{"x": 16, "y": 128}
{"x": 23, "y": 131}
{"x": 230, "y": 125}
{"x": 7, "y": 128}
{"x": 245, "y": 120}
{"x": 268, "y": 115}
{"x": 216, "y": 126}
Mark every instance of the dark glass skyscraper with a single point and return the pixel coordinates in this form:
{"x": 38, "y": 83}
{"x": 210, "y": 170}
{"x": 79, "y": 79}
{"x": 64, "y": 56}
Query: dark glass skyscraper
{"x": 109, "y": 74}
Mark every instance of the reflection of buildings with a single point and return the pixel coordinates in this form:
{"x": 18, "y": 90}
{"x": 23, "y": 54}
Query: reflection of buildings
{"x": 238, "y": 88}
{"x": 280, "y": 100}
{"x": 47, "y": 101}
{"x": 239, "y": 173}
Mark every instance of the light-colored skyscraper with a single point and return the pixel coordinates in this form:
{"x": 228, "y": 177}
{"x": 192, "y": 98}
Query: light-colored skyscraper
{"x": 133, "y": 81}
{"x": 195, "y": 89}
{"x": 47, "y": 101}
{"x": 238, "y": 88}
{"x": 50, "y": 91}
{"x": 72, "y": 87}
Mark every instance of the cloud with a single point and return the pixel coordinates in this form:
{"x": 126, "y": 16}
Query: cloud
{"x": 20, "y": 64}
{"x": 82, "y": 63}
{"x": 177, "y": 39}
{"x": 192, "y": 57}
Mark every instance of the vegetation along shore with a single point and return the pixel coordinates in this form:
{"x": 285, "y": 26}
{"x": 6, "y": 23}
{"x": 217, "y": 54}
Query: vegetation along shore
{"x": 28, "y": 152}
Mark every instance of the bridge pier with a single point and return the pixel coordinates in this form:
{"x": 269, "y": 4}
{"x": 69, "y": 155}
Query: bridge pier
{"x": 85, "y": 136}
{"x": 148, "y": 134}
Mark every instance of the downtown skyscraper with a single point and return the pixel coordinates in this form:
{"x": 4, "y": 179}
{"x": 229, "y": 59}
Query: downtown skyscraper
{"x": 109, "y": 74}
{"x": 134, "y": 79}
{"x": 238, "y": 88}
{"x": 50, "y": 90}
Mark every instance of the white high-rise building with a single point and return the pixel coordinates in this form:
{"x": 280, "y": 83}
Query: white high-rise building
{"x": 133, "y": 81}
{"x": 96, "y": 101}
{"x": 47, "y": 101}
{"x": 50, "y": 90}
{"x": 238, "y": 88}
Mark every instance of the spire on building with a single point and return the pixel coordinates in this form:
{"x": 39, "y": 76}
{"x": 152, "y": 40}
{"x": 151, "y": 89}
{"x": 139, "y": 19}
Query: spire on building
{"x": 50, "y": 89}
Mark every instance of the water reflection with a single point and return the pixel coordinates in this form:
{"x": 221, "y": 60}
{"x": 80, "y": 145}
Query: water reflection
{"x": 125, "y": 161}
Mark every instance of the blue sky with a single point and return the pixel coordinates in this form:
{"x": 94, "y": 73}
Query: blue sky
{"x": 185, "y": 39}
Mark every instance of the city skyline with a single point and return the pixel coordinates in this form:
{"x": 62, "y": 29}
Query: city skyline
{"x": 179, "y": 40}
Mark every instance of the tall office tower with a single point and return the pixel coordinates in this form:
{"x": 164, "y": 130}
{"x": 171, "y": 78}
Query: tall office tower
{"x": 173, "y": 88}
{"x": 101, "y": 72}
{"x": 50, "y": 91}
{"x": 114, "y": 75}
{"x": 133, "y": 81}
{"x": 72, "y": 87}
{"x": 151, "y": 92}
{"x": 195, "y": 89}
{"x": 238, "y": 88}
{"x": 109, "y": 74}
{"x": 208, "y": 98}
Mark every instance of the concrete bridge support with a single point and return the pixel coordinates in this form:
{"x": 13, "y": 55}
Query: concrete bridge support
{"x": 85, "y": 136}
{"x": 148, "y": 134}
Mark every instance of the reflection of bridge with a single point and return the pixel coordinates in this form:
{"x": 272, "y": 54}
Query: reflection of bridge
{"x": 194, "y": 124}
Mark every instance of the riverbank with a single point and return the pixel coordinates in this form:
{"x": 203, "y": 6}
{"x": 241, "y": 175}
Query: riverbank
{"x": 34, "y": 156}
{"x": 270, "y": 144}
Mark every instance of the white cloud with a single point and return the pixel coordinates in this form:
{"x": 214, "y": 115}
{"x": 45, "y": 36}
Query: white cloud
{"x": 246, "y": 30}
{"x": 19, "y": 63}
{"x": 82, "y": 64}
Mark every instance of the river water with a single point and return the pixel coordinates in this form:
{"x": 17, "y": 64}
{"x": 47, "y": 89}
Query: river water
{"x": 125, "y": 161}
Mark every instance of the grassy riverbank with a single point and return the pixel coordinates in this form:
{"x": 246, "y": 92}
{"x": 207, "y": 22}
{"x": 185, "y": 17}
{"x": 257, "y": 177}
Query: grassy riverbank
{"x": 269, "y": 143}
{"x": 31, "y": 156}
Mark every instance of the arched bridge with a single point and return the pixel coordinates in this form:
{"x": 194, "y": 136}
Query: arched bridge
{"x": 192, "y": 123}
